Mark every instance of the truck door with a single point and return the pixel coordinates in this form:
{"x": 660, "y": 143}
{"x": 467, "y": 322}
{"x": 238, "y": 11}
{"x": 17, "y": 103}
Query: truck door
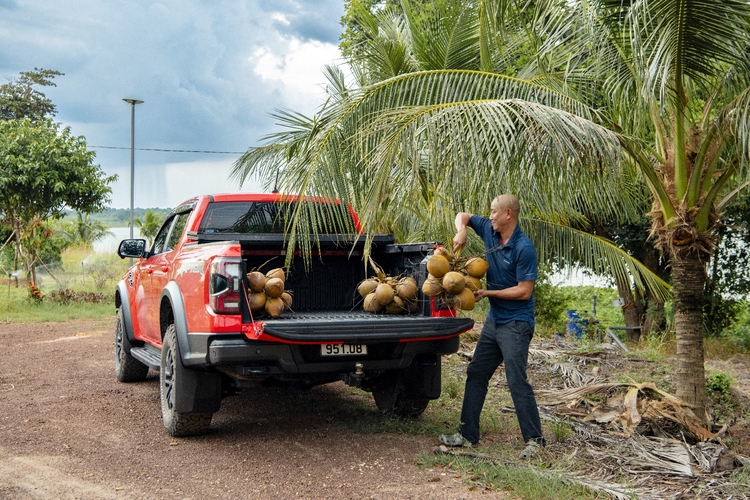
{"x": 155, "y": 274}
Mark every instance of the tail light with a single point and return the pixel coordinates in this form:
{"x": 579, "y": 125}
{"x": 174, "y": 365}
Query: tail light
{"x": 224, "y": 285}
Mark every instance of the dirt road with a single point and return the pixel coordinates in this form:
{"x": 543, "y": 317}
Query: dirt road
{"x": 69, "y": 429}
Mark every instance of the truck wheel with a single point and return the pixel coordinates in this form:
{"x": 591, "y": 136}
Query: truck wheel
{"x": 410, "y": 408}
{"x": 390, "y": 394}
{"x": 170, "y": 382}
{"x": 127, "y": 368}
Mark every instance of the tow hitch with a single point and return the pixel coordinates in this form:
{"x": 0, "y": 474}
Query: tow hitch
{"x": 355, "y": 379}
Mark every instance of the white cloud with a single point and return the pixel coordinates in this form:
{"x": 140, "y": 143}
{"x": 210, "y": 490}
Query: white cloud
{"x": 278, "y": 16}
{"x": 296, "y": 71}
{"x": 180, "y": 180}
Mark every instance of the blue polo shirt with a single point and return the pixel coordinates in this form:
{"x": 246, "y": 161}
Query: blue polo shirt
{"x": 509, "y": 264}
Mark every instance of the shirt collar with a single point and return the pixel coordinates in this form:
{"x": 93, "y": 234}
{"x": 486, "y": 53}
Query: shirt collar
{"x": 511, "y": 240}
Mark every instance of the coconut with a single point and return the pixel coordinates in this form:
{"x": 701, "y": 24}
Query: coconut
{"x": 438, "y": 265}
{"x": 276, "y": 273}
{"x": 367, "y": 286}
{"x": 408, "y": 279}
{"x": 432, "y": 287}
{"x": 407, "y": 289}
{"x": 274, "y": 306}
{"x": 370, "y": 304}
{"x": 256, "y": 301}
{"x": 473, "y": 283}
{"x": 256, "y": 281}
{"x": 396, "y": 306}
{"x": 441, "y": 251}
{"x": 274, "y": 287}
{"x": 464, "y": 300}
{"x": 286, "y": 297}
{"x": 384, "y": 294}
{"x": 453, "y": 282}
{"x": 476, "y": 267}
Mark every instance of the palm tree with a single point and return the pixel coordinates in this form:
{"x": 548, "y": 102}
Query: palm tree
{"x": 149, "y": 226}
{"x": 616, "y": 92}
{"x": 83, "y": 231}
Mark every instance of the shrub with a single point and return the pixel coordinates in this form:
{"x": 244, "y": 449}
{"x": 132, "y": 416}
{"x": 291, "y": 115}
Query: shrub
{"x": 739, "y": 332}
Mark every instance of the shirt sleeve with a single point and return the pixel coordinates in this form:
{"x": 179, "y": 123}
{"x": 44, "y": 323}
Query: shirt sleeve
{"x": 479, "y": 225}
{"x": 526, "y": 270}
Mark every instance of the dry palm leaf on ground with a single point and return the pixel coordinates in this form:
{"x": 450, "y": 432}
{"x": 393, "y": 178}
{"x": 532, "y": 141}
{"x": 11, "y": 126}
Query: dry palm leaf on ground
{"x": 645, "y": 443}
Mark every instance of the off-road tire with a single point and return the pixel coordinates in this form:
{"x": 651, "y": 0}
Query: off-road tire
{"x": 177, "y": 424}
{"x": 410, "y": 408}
{"x": 127, "y": 368}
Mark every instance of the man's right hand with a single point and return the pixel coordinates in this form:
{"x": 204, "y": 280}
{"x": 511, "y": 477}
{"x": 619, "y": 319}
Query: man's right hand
{"x": 459, "y": 240}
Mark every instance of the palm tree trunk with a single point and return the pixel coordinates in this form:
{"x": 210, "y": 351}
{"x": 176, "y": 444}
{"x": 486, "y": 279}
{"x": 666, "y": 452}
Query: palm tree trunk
{"x": 688, "y": 278}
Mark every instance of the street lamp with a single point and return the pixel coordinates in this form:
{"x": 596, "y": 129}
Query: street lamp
{"x": 132, "y": 103}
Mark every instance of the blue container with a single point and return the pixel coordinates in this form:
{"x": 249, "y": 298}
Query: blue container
{"x": 576, "y": 325}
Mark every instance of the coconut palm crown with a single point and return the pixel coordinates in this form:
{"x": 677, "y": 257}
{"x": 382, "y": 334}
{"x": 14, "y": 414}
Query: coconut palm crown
{"x": 569, "y": 104}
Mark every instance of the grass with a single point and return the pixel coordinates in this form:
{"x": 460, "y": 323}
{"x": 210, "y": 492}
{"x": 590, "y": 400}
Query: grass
{"x": 67, "y": 290}
{"x": 519, "y": 480}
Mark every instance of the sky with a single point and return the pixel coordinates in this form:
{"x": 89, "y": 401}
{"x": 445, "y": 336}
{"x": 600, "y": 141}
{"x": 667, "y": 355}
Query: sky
{"x": 210, "y": 74}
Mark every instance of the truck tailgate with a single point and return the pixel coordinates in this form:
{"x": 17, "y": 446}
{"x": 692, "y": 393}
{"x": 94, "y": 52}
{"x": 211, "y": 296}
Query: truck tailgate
{"x": 359, "y": 327}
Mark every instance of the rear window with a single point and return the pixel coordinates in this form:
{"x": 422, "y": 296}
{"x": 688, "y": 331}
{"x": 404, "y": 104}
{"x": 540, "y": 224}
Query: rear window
{"x": 269, "y": 217}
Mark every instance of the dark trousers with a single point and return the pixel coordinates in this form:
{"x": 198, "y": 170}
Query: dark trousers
{"x": 507, "y": 343}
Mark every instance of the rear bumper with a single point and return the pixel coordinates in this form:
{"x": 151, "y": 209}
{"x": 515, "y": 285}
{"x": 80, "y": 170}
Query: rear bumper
{"x": 252, "y": 358}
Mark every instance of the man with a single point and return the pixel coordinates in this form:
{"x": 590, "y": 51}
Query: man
{"x": 509, "y": 325}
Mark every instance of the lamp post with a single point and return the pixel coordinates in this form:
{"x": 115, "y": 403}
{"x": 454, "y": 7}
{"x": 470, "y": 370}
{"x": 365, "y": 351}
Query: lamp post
{"x": 132, "y": 103}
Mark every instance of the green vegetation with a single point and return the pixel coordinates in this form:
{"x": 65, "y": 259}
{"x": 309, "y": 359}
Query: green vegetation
{"x": 519, "y": 480}
{"x": 81, "y": 287}
{"x": 44, "y": 169}
{"x": 120, "y": 217}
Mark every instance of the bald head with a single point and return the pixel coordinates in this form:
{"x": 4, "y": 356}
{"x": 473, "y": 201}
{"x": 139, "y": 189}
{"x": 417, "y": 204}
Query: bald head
{"x": 506, "y": 201}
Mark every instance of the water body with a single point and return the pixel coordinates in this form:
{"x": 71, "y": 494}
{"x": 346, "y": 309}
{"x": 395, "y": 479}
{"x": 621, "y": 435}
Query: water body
{"x": 110, "y": 243}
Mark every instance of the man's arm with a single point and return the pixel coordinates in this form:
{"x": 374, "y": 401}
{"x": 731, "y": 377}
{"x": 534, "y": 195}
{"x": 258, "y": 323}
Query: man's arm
{"x": 522, "y": 291}
{"x": 462, "y": 220}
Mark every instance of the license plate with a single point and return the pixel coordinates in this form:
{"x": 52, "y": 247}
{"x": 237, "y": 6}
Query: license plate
{"x": 342, "y": 349}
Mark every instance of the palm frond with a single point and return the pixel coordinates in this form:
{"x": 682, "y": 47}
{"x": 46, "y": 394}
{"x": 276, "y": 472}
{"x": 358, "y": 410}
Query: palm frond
{"x": 564, "y": 245}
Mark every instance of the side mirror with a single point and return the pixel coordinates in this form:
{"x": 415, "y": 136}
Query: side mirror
{"x": 132, "y": 248}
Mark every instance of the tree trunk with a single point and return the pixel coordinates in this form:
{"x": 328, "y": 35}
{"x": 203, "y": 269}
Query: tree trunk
{"x": 688, "y": 279}
{"x": 629, "y": 311}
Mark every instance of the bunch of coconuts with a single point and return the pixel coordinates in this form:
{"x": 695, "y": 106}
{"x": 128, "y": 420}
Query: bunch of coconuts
{"x": 454, "y": 279}
{"x": 389, "y": 294}
{"x": 266, "y": 294}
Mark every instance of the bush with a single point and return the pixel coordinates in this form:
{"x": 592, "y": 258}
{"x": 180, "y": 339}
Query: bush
{"x": 719, "y": 382}
{"x": 550, "y": 303}
{"x": 67, "y": 296}
{"x": 739, "y": 332}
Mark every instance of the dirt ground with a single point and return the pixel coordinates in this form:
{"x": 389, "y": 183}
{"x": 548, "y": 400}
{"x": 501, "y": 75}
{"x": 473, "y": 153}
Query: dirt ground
{"x": 69, "y": 429}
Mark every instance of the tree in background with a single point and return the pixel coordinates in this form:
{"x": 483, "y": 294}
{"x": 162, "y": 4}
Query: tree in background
{"x": 728, "y": 283}
{"x": 149, "y": 226}
{"x": 83, "y": 231}
{"x": 19, "y": 98}
{"x": 43, "y": 170}
{"x": 43, "y": 167}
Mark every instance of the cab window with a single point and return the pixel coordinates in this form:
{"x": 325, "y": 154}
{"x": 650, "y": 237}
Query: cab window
{"x": 161, "y": 237}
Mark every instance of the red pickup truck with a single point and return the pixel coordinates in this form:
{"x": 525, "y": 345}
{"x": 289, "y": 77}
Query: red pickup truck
{"x": 182, "y": 309}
